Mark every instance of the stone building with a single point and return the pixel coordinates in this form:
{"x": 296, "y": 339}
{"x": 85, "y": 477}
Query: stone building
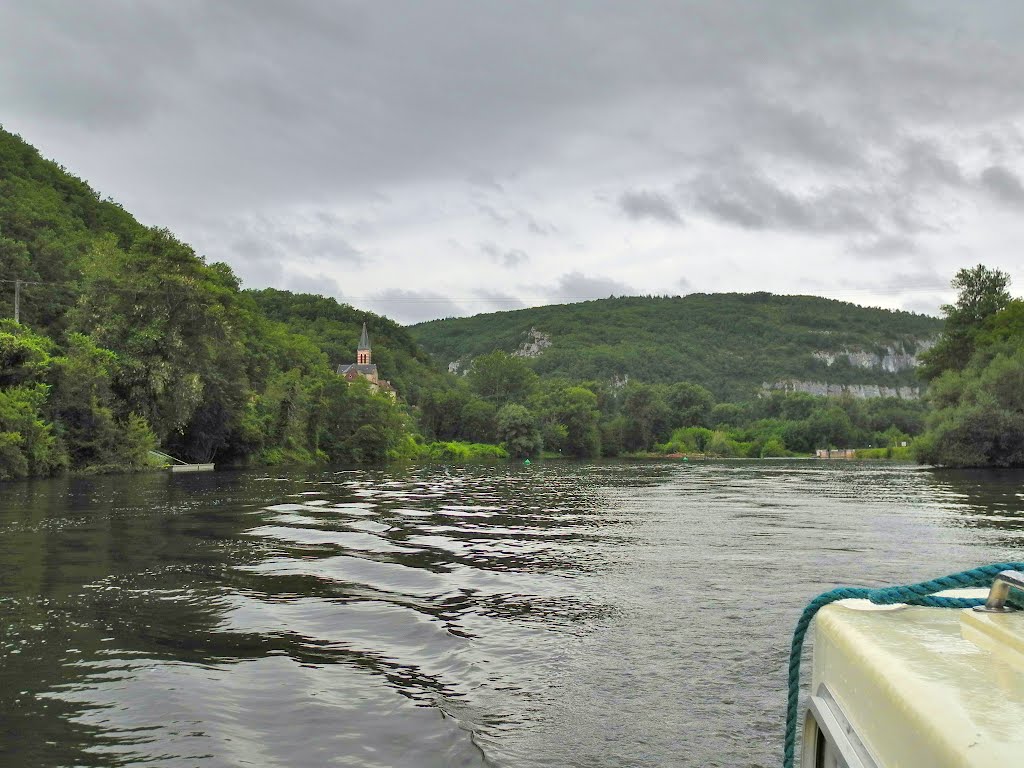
{"x": 364, "y": 368}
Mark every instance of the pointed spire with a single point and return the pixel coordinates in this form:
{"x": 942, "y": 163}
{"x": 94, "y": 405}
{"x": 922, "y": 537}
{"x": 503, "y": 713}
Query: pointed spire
{"x": 363, "y": 350}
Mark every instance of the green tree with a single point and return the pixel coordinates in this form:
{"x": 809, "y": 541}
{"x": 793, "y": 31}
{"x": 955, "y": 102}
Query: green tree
{"x": 977, "y": 391}
{"x": 982, "y": 294}
{"x": 726, "y": 414}
{"x": 27, "y": 443}
{"x": 830, "y": 426}
{"x": 24, "y": 356}
{"x": 478, "y": 420}
{"x": 570, "y": 419}
{"x": 81, "y": 405}
{"x": 647, "y": 416}
{"x": 441, "y": 412}
{"x": 518, "y": 431}
{"x": 613, "y": 436}
{"x": 721, "y": 445}
{"x": 689, "y": 404}
{"x": 177, "y": 327}
{"x": 501, "y": 378}
{"x": 979, "y": 416}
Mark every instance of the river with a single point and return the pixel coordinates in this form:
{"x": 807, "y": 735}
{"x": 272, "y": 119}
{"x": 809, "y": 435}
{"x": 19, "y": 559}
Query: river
{"x": 563, "y": 614}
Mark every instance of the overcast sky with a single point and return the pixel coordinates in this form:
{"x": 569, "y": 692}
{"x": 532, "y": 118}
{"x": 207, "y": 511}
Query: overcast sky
{"x": 424, "y": 158}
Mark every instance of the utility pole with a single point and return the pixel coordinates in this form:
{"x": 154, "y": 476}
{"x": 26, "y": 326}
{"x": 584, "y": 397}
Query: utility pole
{"x": 17, "y": 301}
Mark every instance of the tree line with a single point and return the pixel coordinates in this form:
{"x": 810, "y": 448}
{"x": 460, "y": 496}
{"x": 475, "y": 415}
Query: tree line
{"x": 502, "y": 399}
{"x": 976, "y": 377}
{"x": 130, "y": 341}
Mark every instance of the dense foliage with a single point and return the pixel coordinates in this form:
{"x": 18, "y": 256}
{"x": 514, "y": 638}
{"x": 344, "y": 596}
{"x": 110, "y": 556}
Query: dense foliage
{"x": 130, "y": 342}
{"x": 730, "y": 344}
{"x": 977, "y": 373}
{"x": 529, "y": 414}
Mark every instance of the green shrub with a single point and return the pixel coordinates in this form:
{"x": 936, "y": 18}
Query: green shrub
{"x": 456, "y": 451}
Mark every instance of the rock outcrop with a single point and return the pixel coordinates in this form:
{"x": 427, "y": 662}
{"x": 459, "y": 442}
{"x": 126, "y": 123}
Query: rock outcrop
{"x": 536, "y": 342}
{"x": 822, "y": 388}
{"x": 893, "y": 359}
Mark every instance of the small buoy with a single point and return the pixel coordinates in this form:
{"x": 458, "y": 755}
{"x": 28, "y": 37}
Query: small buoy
{"x": 526, "y": 462}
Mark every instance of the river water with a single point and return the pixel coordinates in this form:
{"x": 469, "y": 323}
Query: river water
{"x": 563, "y": 614}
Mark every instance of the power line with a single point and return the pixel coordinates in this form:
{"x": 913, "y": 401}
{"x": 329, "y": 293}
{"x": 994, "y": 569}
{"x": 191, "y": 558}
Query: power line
{"x": 882, "y": 290}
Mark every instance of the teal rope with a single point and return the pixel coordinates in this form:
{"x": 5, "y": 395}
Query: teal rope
{"x": 911, "y": 594}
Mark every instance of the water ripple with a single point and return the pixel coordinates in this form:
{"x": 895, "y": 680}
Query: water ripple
{"x": 610, "y": 614}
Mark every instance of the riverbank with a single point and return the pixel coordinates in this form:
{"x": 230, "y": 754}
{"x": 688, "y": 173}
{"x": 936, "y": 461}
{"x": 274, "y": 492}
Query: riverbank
{"x": 897, "y": 454}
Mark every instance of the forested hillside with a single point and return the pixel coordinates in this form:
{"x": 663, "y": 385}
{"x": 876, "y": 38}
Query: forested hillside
{"x": 335, "y": 329}
{"x": 729, "y": 343}
{"x": 128, "y": 340}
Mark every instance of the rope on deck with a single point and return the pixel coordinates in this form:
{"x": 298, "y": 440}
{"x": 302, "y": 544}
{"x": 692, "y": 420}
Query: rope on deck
{"x": 922, "y": 593}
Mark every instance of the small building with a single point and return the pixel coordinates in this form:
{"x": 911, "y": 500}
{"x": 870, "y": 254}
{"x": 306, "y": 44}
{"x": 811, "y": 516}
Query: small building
{"x": 836, "y": 453}
{"x": 365, "y": 369}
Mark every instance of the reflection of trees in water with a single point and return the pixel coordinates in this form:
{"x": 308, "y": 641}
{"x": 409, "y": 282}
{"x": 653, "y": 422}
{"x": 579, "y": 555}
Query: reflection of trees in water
{"x": 141, "y": 569}
{"x": 88, "y": 564}
{"x": 985, "y": 498}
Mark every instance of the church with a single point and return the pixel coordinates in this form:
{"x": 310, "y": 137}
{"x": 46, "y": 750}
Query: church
{"x": 364, "y": 368}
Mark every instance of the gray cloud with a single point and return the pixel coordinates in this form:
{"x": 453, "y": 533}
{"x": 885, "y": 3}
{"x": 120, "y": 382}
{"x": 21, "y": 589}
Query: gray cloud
{"x": 796, "y": 132}
{"x": 510, "y": 258}
{"x": 306, "y": 237}
{"x": 266, "y": 251}
{"x": 925, "y": 164}
{"x": 1003, "y": 184}
{"x": 898, "y": 283}
{"x": 285, "y": 245}
{"x": 410, "y": 307}
{"x": 575, "y": 286}
{"x": 497, "y": 301}
{"x": 925, "y": 305}
{"x": 349, "y": 94}
{"x": 517, "y": 217}
{"x": 319, "y": 285}
{"x": 858, "y": 124}
{"x": 115, "y": 77}
{"x": 490, "y": 212}
{"x": 750, "y": 200}
{"x": 884, "y": 246}
{"x": 919, "y": 280}
{"x": 646, "y": 204}
{"x": 485, "y": 181}
{"x": 538, "y": 226}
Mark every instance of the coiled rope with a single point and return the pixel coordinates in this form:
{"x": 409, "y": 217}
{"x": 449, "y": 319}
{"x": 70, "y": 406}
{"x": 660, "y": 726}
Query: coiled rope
{"x": 910, "y": 594}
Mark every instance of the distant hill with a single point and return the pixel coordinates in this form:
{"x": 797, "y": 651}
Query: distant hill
{"x": 734, "y": 344}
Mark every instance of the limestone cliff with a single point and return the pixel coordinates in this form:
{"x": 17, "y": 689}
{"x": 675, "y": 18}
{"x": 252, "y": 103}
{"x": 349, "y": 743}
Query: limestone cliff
{"x": 536, "y": 342}
{"x": 892, "y": 359}
{"x": 857, "y": 390}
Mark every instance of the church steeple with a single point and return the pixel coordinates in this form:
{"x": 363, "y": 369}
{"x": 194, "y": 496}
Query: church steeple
{"x": 363, "y": 351}
{"x": 364, "y": 369}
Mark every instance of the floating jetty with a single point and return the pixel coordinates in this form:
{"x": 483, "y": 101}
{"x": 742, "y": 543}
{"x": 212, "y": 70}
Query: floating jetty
{"x": 177, "y": 465}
